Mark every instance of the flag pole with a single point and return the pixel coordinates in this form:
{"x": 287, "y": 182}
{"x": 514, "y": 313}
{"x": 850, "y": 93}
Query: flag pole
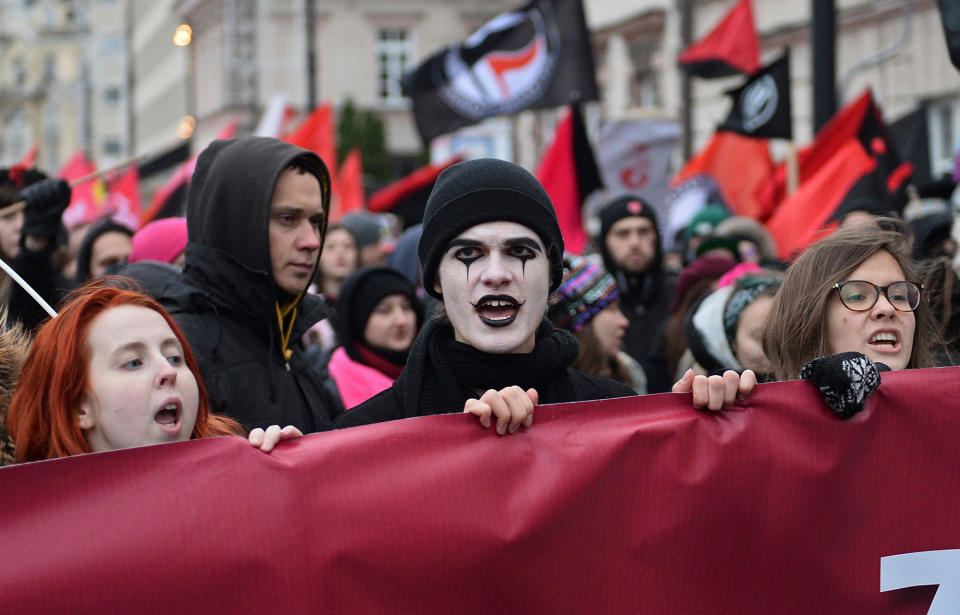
{"x": 20, "y": 205}
{"x": 793, "y": 168}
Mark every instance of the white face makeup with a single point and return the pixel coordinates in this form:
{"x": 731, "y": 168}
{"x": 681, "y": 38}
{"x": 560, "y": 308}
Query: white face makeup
{"x": 139, "y": 388}
{"x": 495, "y": 280}
{"x": 882, "y": 333}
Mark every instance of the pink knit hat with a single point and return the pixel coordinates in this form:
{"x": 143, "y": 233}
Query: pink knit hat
{"x": 162, "y": 240}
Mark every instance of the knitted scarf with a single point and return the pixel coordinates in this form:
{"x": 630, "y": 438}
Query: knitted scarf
{"x": 442, "y": 374}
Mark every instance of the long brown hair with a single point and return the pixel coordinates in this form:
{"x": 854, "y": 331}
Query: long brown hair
{"x": 796, "y": 330}
{"x": 592, "y": 359}
{"x": 42, "y": 418}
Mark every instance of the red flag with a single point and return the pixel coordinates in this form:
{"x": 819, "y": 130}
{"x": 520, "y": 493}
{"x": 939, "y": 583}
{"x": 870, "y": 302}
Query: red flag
{"x": 29, "y": 158}
{"x": 316, "y": 134}
{"x": 123, "y": 198}
{"x": 842, "y": 127}
{"x": 87, "y": 198}
{"x": 349, "y": 185}
{"x": 407, "y": 196}
{"x": 179, "y": 180}
{"x": 731, "y": 47}
{"x": 568, "y": 172}
{"x": 805, "y": 216}
{"x": 740, "y": 166}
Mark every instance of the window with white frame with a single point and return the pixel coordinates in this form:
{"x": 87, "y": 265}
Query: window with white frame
{"x": 943, "y": 122}
{"x": 393, "y": 61}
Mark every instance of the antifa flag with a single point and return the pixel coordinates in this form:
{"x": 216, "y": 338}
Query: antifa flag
{"x": 761, "y": 107}
{"x": 569, "y": 173}
{"x": 534, "y": 57}
{"x": 731, "y": 47}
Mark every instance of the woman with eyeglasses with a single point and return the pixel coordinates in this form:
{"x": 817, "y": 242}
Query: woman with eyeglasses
{"x": 857, "y": 290}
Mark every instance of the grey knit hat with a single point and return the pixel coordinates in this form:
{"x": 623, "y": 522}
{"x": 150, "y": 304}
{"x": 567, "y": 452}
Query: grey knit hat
{"x": 486, "y": 190}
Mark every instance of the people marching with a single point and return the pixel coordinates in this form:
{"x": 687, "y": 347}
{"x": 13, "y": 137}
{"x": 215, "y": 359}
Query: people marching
{"x": 255, "y": 310}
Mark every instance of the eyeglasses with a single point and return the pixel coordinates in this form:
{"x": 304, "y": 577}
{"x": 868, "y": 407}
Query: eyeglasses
{"x": 860, "y": 296}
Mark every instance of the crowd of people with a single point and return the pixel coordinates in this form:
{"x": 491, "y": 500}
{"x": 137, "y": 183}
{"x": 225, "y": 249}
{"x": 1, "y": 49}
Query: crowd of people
{"x": 252, "y": 317}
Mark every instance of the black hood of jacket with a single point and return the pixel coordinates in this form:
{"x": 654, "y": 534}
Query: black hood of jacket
{"x": 228, "y": 215}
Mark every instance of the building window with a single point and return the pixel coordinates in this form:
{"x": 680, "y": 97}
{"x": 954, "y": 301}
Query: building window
{"x": 49, "y": 68}
{"x": 393, "y": 60}
{"x": 112, "y": 95}
{"x": 943, "y": 119}
{"x": 111, "y": 147}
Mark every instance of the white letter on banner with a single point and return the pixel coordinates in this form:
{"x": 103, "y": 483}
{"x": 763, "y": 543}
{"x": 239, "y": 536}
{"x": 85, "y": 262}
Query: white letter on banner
{"x": 926, "y": 568}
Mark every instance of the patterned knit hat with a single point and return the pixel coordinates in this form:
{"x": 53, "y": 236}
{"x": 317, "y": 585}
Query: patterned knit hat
{"x": 748, "y": 287}
{"x": 585, "y": 290}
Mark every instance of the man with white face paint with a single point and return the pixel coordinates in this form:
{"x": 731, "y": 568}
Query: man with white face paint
{"x": 491, "y": 251}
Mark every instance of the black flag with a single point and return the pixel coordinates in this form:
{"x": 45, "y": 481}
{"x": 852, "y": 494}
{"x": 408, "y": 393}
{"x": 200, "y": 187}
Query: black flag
{"x": 533, "y": 57}
{"x": 761, "y": 106}
{"x": 950, "y": 17}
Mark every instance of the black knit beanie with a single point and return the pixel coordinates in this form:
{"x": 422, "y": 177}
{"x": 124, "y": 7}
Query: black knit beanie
{"x": 360, "y": 294}
{"x": 618, "y": 209}
{"x": 621, "y": 207}
{"x": 486, "y": 190}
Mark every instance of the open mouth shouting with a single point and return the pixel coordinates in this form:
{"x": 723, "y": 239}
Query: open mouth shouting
{"x": 168, "y": 416}
{"x": 497, "y": 310}
{"x": 885, "y": 341}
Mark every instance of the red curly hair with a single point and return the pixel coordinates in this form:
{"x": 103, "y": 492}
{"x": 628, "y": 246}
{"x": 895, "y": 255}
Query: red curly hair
{"x": 42, "y": 417}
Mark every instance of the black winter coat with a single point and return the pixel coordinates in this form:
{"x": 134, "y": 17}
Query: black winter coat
{"x": 225, "y": 299}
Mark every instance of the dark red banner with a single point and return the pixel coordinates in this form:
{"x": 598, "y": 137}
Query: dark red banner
{"x": 639, "y": 505}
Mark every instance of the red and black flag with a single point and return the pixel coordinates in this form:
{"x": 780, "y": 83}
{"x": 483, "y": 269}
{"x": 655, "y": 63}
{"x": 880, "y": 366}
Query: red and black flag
{"x": 407, "y": 197}
{"x": 731, "y": 47}
{"x": 569, "y": 173}
{"x": 534, "y": 57}
{"x": 852, "y": 165}
{"x": 761, "y": 106}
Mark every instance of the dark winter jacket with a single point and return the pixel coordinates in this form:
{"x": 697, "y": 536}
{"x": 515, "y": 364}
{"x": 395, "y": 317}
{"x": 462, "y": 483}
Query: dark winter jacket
{"x": 442, "y": 374}
{"x": 645, "y": 301}
{"x": 226, "y": 299}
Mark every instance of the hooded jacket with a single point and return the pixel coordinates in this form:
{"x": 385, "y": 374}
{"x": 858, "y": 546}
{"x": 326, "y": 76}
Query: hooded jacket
{"x": 226, "y": 300}
{"x": 645, "y": 301}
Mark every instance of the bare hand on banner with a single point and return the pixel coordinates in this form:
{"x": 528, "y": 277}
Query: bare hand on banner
{"x": 511, "y": 406}
{"x": 716, "y": 392}
{"x": 265, "y": 440}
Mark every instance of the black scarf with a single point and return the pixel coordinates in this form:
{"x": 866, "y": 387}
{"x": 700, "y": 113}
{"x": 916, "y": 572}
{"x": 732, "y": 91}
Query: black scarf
{"x": 442, "y": 374}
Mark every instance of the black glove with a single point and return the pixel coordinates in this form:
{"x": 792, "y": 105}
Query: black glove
{"x": 846, "y": 380}
{"x": 46, "y": 201}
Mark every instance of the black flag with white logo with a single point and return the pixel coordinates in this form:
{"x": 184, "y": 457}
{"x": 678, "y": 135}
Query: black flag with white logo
{"x": 536, "y": 56}
{"x": 761, "y": 107}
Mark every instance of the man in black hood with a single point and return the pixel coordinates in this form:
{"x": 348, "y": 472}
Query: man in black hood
{"x": 630, "y": 244}
{"x": 256, "y": 216}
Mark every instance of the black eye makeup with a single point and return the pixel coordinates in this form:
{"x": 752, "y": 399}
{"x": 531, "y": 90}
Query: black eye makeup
{"x": 523, "y": 249}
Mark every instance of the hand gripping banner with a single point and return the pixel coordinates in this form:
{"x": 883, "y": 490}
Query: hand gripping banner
{"x": 638, "y": 505}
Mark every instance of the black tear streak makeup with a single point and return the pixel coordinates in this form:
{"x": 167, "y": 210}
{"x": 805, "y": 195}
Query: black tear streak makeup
{"x": 524, "y": 256}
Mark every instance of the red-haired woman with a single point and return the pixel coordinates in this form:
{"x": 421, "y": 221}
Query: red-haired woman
{"x": 113, "y": 371}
